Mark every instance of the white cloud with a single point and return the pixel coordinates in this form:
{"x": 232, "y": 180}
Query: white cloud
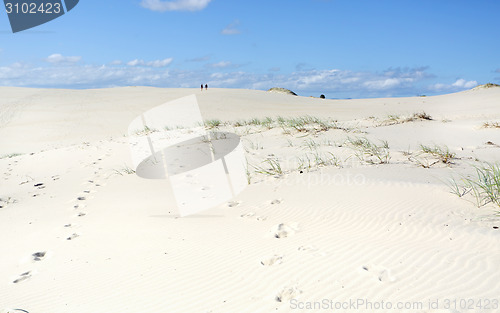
{"x": 462, "y": 83}
{"x": 156, "y": 63}
{"x": 387, "y": 83}
{"x": 331, "y": 82}
{"x": 57, "y": 58}
{"x": 81, "y": 76}
{"x": 231, "y": 29}
{"x": 459, "y": 84}
{"x": 177, "y": 5}
{"x": 222, "y": 64}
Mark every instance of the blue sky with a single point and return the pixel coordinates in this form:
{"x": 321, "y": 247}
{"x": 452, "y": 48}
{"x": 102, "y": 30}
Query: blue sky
{"x": 340, "y": 48}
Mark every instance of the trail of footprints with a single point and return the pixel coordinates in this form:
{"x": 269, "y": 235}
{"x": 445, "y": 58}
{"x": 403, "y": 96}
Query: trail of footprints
{"x": 79, "y": 204}
{"x": 380, "y": 273}
{"x": 284, "y": 230}
{"x": 279, "y": 231}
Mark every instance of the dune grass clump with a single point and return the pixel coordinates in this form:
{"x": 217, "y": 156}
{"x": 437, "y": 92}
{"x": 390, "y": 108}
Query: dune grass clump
{"x": 145, "y": 131}
{"x": 271, "y": 166}
{"x": 10, "y": 155}
{"x": 485, "y": 187}
{"x": 442, "y": 153}
{"x": 282, "y": 90}
{"x": 213, "y": 123}
{"x": 317, "y": 159}
{"x": 306, "y": 124}
{"x": 491, "y": 125}
{"x": 393, "y": 119}
{"x": 369, "y": 151}
{"x": 420, "y": 116}
{"x": 488, "y": 85}
{"x": 124, "y": 170}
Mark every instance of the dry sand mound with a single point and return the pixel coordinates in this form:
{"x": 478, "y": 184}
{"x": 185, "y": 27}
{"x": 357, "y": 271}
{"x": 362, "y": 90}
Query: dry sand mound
{"x": 344, "y": 204}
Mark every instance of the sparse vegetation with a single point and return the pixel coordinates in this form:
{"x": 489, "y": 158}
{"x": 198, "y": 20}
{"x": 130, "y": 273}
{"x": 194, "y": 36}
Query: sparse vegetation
{"x": 253, "y": 145}
{"x": 484, "y": 188}
{"x": 271, "y": 166}
{"x": 282, "y": 90}
{"x": 213, "y": 123}
{"x": 485, "y": 86}
{"x": 10, "y": 155}
{"x": 491, "y": 125}
{"x": 145, "y": 131}
{"x": 420, "y": 116}
{"x": 442, "y": 153}
{"x": 370, "y": 152}
{"x": 124, "y": 170}
{"x": 399, "y": 119}
{"x": 311, "y": 144}
{"x": 317, "y": 159}
{"x": 304, "y": 124}
{"x": 307, "y": 124}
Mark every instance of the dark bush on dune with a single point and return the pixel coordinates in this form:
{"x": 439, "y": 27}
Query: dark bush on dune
{"x": 322, "y": 96}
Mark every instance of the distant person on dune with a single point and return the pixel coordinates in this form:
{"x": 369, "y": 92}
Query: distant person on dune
{"x": 201, "y": 87}
{"x": 206, "y": 86}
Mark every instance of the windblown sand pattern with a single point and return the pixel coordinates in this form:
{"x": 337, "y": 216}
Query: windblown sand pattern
{"x": 81, "y": 233}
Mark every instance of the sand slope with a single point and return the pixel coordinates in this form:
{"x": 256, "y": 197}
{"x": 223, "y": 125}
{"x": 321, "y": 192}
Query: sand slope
{"x": 79, "y": 234}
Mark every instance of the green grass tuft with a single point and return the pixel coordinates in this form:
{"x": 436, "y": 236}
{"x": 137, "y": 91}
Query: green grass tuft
{"x": 370, "y": 152}
{"x": 485, "y": 187}
{"x": 442, "y": 153}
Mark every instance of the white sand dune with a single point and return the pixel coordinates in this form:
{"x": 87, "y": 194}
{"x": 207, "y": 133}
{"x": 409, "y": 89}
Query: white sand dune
{"x": 79, "y": 234}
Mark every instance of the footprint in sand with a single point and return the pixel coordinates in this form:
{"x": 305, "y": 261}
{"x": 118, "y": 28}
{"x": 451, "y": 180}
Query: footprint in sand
{"x": 38, "y": 256}
{"x": 6, "y": 201}
{"x": 94, "y": 182}
{"x": 276, "y": 201}
{"x": 233, "y": 204}
{"x": 79, "y": 206}
{"x": 287, "y": 294}
{"x": 73, "y": 236}
{"x": 24, "y": 276}
{"x": 248, "y": 215}
{"x": 380, "y": 273}
{"x": 269, "y": 261}
{"x": 308, "y": 248}
{"x": 39, "y": 185}
{"x": 284, "y": 230}
{"x": 313, "y": 250}
{"x": 26, "y": 180}
{"x": 252, "y": 215}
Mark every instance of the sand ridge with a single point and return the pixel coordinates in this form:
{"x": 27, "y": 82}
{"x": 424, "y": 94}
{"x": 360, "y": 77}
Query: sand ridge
{"x": 82, "y": 233}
